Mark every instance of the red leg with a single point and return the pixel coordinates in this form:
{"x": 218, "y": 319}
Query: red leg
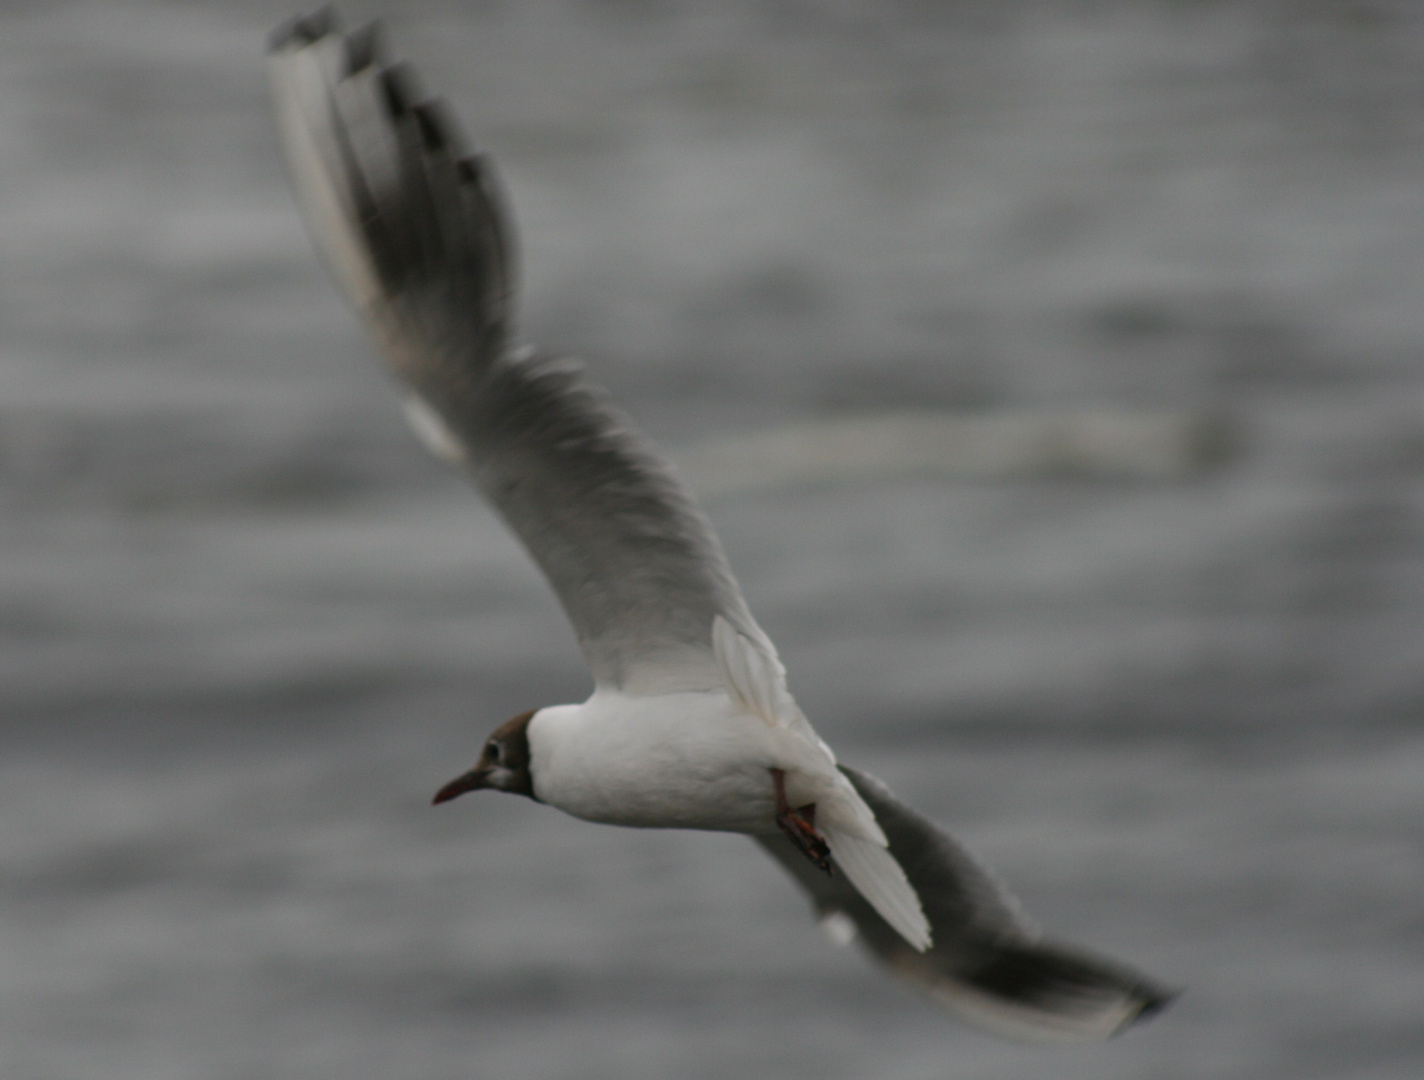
{"x": 799, "y": 825}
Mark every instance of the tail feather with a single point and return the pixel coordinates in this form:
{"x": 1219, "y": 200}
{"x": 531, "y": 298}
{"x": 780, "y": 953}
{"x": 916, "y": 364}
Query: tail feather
{"x": 882, "y": 882}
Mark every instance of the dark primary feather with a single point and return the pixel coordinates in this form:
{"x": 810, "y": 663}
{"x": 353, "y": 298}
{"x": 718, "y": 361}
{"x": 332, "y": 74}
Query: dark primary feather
{"x": 987, "y": 959}
{"x": 421, "y": 242}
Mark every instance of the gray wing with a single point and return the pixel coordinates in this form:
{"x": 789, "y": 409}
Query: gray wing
{"x": 413, "y": 229}
{"x": 987, "y": 962}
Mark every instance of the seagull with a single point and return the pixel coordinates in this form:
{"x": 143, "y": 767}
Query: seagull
{"x": 690, "y": 724}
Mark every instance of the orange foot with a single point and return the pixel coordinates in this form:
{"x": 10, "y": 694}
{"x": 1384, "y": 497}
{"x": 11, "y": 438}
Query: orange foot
{"x": 800, "y": 825}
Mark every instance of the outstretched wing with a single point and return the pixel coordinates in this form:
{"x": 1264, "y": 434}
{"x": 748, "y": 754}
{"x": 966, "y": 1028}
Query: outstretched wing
{"x": 987, "y": 962}
{"x": 414, "y": 230}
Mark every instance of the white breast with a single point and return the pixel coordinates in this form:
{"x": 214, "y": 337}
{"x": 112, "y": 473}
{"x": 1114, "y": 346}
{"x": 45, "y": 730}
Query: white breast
{"x": 687, "y": 760}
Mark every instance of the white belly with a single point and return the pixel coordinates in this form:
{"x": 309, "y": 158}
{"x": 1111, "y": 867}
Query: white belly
{"x": 672, "y": 761}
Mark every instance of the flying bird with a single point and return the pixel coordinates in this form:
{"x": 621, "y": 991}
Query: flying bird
{"x": 690, "y": 724}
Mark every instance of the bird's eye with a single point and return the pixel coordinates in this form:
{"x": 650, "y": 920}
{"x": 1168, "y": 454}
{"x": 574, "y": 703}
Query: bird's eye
{"x": 496, "y": 751}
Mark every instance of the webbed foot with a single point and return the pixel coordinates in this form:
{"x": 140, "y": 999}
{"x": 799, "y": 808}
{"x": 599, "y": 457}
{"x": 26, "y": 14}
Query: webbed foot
{"x": 799, "y": 824}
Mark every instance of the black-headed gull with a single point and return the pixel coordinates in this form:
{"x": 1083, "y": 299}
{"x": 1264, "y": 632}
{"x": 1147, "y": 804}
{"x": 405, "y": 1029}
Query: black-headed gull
{"x": 690, "y": 724}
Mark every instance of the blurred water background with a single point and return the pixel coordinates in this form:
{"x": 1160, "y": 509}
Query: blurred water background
{"x": 249, "y": 626}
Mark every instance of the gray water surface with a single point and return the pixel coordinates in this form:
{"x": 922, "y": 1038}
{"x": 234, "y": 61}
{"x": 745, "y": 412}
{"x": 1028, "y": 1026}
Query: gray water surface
{"x": 249, "y": 627}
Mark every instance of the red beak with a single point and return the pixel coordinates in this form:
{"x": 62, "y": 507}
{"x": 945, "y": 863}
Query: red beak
{"x": 471, "y": 781}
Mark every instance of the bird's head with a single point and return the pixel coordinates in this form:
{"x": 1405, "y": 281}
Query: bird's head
{"x": 503, "y": 764}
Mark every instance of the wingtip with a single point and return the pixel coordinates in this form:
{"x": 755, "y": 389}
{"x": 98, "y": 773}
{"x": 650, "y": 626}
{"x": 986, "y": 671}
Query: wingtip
{"x": 400, "y": 89}
{"x": 365, "y": 47}
{"x": 473, "y": 169}
{"x": 1155, "y": 1000}
{"x": 304, "y": 30}
{"x": 439, "y": 130}
{"x": 362, "y": 48}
